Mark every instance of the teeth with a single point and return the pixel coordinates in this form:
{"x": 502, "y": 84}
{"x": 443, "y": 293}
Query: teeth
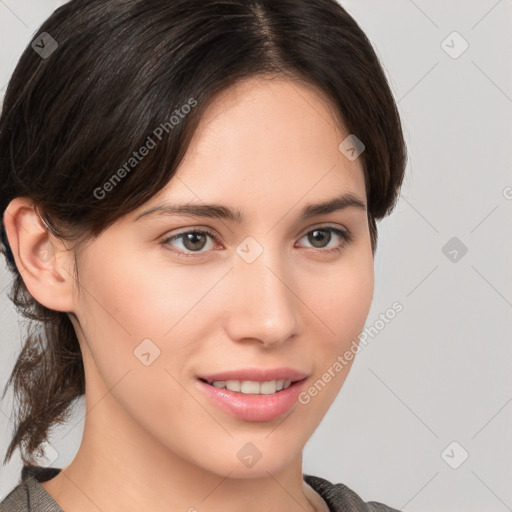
{"x": 252, "y": 387}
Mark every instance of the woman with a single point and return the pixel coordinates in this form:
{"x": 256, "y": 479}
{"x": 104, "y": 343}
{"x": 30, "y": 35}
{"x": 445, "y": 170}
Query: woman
{"x": 190, "y": 192}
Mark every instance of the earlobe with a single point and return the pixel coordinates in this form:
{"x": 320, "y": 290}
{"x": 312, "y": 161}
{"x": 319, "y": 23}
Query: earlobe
{"x": 43, "y": 261}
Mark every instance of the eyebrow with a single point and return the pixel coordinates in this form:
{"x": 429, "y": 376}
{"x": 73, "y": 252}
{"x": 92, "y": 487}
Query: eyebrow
{"x": 217, "y": 211}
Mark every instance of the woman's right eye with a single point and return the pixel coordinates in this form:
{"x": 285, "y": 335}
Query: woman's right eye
{"x": 192, "y": 240}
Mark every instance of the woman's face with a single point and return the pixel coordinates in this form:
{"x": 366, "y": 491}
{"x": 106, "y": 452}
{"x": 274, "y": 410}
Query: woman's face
{"x": 160, "y": 309}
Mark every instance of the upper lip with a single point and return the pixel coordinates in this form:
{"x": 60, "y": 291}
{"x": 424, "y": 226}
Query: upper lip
{"x": 256, "y": 374}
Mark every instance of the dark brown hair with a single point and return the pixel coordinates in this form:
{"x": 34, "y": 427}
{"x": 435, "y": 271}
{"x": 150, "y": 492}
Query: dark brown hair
{"x": 118, "y": 70}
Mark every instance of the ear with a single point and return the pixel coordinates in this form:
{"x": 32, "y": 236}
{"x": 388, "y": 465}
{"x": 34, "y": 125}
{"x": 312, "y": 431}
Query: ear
{"x": 45, "y": 264}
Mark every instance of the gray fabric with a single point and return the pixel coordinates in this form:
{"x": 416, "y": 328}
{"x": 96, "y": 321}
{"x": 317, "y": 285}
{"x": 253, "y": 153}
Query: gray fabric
{"x": 340, "y": 498}
{"x": 30, "y": 496}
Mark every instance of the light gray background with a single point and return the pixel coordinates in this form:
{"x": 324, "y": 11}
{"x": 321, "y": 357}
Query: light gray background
{"x": 440, "y": 371}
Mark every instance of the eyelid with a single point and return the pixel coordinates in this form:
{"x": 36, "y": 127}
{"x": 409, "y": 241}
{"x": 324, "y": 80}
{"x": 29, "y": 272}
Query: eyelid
{"x": 213, "y": 233}
{"x": 325, "y": 225}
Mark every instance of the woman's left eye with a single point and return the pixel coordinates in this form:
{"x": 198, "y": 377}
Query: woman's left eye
{"x": 195, "y": 240}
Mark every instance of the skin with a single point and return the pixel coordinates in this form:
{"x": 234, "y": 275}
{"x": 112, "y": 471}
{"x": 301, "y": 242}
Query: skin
{"x": 266, "y": 147}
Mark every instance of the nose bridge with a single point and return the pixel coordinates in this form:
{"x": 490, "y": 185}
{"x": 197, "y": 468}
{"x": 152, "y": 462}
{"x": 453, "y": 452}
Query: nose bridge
{"x": 263, "y": 305}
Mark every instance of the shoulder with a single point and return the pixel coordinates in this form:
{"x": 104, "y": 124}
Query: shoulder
{"x": 29, "y": 495}
{"x": 341, "y": 498}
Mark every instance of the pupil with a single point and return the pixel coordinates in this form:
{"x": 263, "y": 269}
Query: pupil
{"x": 315, "y": 232}
{"x": 193, "y": 238}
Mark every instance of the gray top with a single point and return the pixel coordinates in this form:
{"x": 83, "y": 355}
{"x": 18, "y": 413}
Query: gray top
{"x": 30, "y": 496}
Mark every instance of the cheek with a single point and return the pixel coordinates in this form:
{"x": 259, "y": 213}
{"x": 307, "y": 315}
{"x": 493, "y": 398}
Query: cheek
{"x": 127, "y": 303}
{"x": 340, "y": 314}
{"x": 341, "y": 298}
{"x": 138, "y": 296}
{"x": 140, "y": 323}
{"x": 341, "y": 306}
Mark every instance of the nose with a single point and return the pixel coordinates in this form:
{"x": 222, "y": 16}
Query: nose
{"x": 262, "y": 306}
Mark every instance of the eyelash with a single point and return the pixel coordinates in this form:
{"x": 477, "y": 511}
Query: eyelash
{"x": 345, "y": 236}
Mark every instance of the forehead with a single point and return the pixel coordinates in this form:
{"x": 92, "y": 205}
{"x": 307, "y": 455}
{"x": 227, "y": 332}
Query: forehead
{"x": 266, "y": 89}
{"x": 265, "y": 141}
{"x": 268, "y": 106}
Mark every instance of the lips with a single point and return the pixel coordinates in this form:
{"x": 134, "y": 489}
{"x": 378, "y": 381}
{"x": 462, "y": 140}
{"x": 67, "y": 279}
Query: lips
{"x": 254, "y": 407}
{"x": 256, "y": 374}
{"x": 249, "y": 407}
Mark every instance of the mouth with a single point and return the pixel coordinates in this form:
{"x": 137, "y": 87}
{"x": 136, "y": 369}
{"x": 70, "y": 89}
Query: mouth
{"x": 252, "y": 401}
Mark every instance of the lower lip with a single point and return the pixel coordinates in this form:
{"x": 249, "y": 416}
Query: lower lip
{"x": 253, "y": 407}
